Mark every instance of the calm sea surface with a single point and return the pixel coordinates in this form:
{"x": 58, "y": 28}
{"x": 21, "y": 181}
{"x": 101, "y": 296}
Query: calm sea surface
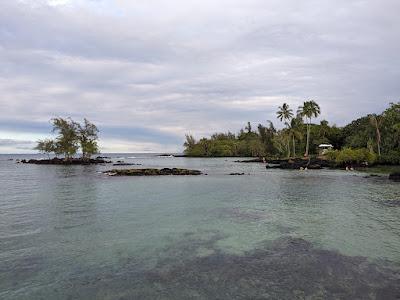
{"x": 70, "y": 232}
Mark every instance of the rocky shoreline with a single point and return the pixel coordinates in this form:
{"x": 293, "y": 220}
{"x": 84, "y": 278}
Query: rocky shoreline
{"x": 59, "y": 161}
{"x": 152, "y": 172}
{"x": 295, "y": 164}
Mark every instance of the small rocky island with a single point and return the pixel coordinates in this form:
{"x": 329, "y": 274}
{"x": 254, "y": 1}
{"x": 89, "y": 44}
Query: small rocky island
{"x": 151, "y": 172}
{"x": 61, "y": 161}
{"x": 71, "y": 137}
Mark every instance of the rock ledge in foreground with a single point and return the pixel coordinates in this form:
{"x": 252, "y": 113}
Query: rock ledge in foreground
{"x": 151, "y": 172}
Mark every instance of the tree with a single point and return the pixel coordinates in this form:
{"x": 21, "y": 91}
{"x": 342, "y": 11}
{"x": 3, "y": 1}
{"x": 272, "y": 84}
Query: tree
{"x": 189, "y": 143}
{"x": 323, "y": 129}
{"x": 87, "y": 136}
{"x": 266, "y": 135}
{"x": 67, "y": 139}
{"x": 295, "y": 132}
{"x": 376, "y": 122}
{"x": 308, "y": 110}
{"x": 46, "y": 146}
{"x": 285, "y": 114}
{"x": 396, "y": 128}
{"x": 248, "y": 127}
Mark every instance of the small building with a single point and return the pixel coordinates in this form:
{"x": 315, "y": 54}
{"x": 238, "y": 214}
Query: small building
{"x": 324, "y": 148}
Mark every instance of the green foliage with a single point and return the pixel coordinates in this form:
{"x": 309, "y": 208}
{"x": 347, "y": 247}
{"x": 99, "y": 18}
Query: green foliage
{"x": 70, "y": 137}
{"x": 87, "y": 137}
{"x": 285, "y": 114}
{"x": 390, "y": 158}
{"x": 361, "y": 140}
{"x": 352, "y": 156}
{"x": 46, "y": 146}
{"x": 309, "y": 110}
{"x": 67, "y": 139}
{"x": 247, "y": 143}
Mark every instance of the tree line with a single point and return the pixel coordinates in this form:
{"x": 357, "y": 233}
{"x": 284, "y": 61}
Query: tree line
{"x": 378, "y": 134}
{"x": 71, "y": 137}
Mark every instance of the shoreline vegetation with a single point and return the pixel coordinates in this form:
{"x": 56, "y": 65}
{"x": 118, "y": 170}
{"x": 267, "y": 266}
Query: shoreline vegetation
{"x": 371, "y": 140}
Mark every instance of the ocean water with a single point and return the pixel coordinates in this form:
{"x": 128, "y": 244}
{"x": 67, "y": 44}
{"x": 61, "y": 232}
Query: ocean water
{"x": 71, "y": 232}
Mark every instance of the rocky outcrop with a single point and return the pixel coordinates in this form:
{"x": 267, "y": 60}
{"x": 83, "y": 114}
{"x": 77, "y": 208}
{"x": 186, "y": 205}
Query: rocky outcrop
{"x": 254, "y": 160}
{"x": 151, "y": 172}
{"x": 395, "y": 176}
{"x": 296, "y": 164}
{"x": 59, "y": 161}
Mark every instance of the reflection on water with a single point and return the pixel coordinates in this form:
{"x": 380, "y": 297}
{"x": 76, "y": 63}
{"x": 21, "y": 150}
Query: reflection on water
{"x": 71, "y": 232}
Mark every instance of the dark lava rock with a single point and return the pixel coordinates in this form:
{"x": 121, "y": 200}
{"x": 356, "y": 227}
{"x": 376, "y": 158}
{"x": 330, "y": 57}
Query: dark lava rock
{"x": 233, "y": 174}
{"x": 59, "y": 161}
{"x": 395, "y": 176}
{"x": 195, "y": 267}
{"x": 152, "y": 172}
{"x": 296, "y": 164}
{"x": 255, "y": 160}
{"x": 373, "y": 176}
{"x": 125, "y": 164}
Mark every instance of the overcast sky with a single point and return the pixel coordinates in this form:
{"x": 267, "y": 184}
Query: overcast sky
{"x": 147, "y": 72}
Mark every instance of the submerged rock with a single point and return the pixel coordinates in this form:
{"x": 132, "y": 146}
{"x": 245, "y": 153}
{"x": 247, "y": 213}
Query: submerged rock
{"x": 152, "y": 172}
{"x": 236, "y": 174}
{"x": 395, "y": 176}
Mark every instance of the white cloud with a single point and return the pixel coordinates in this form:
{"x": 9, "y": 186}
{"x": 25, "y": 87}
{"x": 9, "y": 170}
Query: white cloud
{"x": 194, "y": 66}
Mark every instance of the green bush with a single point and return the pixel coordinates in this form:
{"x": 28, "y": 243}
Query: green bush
{"x": 352, "y": 156}
{"x": 390, "y": 158}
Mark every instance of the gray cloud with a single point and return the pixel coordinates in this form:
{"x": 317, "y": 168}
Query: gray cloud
{"x": 11, "y": 142}
{"x": 148, "y": 72}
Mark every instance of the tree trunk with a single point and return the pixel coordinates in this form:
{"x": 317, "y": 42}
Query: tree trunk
{"x": 378, "y": 139}
{"x": 288, "y": 147}
{"x": 308, "y": 139}
{"x": 294, "y": 147}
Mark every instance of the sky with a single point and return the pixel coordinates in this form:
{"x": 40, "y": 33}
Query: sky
{"x": 148, "y": 72}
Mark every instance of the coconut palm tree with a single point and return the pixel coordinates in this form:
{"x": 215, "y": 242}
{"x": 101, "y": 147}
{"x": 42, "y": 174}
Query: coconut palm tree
{"x": 285, "y": 114}
{"x": 295, "y": 132}
{"x": 309, "y": 110}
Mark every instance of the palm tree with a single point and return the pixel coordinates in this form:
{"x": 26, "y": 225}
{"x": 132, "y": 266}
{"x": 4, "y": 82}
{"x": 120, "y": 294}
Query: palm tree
{"x": 285, "y": 114}
{"x": 295, "y": 132}
{"x": 308, "y": 110}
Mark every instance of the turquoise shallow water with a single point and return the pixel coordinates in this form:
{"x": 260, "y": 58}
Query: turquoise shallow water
{"x": 74, "y": 233}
